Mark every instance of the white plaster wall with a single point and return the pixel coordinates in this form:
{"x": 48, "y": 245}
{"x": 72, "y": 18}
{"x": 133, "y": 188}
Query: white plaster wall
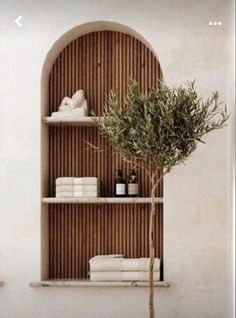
{"x": 198, "y": 209}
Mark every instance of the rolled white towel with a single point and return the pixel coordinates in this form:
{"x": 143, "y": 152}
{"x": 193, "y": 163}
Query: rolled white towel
{"x": 122, "y": 264}
{"x": 122, "y": 276}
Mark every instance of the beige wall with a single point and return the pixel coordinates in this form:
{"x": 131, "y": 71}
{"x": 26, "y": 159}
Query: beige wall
{"x": 198, "y": 208}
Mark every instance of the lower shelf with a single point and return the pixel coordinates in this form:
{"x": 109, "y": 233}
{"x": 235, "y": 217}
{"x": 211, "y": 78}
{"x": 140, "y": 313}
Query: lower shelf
{"x": 100, "y": 200}
{"x": 88, "y": 283}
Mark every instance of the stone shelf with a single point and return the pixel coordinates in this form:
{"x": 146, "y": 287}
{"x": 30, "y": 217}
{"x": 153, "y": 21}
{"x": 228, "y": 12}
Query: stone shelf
{"x": 88, "y": 283}
{"x": 100, "y": 200}
{"x": 82, "y": 121}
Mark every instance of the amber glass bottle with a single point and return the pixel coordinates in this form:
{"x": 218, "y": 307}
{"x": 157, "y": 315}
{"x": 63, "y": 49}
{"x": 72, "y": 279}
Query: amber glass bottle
{"x": 120, "y": 184}
{"x": 133, "y": 184}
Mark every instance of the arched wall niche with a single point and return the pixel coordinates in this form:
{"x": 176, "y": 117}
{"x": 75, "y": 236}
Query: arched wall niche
{"x": 77, "y": 32}
{"x": 96, "y": 57}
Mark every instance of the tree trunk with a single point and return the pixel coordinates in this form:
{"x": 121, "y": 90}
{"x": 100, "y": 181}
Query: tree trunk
{"x": 152, "y": 248}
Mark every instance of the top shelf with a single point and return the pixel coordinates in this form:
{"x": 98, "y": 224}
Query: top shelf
{"x": 81, "y": 121}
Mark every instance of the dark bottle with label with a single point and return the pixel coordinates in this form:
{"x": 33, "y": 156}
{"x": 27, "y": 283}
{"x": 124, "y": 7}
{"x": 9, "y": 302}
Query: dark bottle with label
{"x": 133, "y": 184}
{"x": 120, "y": 185}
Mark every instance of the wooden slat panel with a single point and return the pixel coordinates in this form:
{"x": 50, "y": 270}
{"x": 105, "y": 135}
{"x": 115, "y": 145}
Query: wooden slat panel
{"x": 96, "y": 62}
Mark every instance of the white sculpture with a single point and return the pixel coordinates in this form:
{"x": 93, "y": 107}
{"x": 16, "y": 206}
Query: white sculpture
{"x": 76, "y": 106}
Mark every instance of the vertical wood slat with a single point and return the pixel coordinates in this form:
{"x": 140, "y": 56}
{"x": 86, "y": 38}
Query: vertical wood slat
{"x": 96, "y": 62}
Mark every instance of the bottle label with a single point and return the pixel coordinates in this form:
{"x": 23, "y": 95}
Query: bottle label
{"x": 120, "y": 189}
{"x": 133, "y": 189}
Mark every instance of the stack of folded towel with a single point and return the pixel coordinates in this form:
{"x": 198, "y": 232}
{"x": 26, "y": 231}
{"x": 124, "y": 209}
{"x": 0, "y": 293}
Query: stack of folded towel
{"x": 77, "y": 187}
{"x": 117, "y": 268}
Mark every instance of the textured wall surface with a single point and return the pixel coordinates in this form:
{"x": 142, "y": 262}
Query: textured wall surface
{"x": 96, "y": 62}
{"x": 198, "y": 210}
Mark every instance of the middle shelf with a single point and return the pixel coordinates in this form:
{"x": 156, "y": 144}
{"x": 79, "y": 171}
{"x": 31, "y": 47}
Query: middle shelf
{"x": 101, "y": 200}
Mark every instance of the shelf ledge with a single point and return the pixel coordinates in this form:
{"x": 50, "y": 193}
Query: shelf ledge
{"x": 81, "y": 121}
{"x": 100, "y": 200}
{"x": 88, "y": 283}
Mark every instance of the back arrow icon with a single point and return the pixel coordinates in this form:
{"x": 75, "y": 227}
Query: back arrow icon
{"x": 17, "y": 21}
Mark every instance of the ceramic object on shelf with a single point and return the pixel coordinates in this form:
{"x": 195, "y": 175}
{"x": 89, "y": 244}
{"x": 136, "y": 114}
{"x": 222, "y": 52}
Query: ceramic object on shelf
{"x": 73, "y": 107}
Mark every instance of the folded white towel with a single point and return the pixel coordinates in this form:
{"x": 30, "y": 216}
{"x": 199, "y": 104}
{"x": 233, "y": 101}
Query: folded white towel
{"x": 65, "y": 181}
{"x": 86, "y": 180}
{"x": 64, "y": 188}
{"x": 64, "y": 194}
{"x": 77, "y": 181}
{"x": 106, "y": 256}
{"x": 86, "y": 187}
{"x": 77, "y": 194}
{"x": 141, "y": 264}
{"x": 86, "y": 194}
{"x": 122, "y": 276}
{"x": 101, "y": 264}
{"x": 77, "y": 188}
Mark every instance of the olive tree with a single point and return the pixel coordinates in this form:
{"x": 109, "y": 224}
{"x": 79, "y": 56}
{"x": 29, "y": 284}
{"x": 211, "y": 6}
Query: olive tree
{"x": 157, "y": 131}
